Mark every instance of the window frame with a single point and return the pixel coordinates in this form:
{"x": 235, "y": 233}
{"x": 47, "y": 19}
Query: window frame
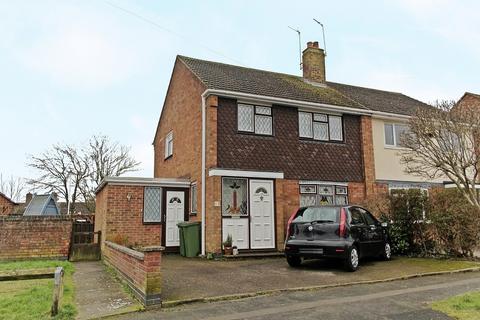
{"x": 160, "y": 190}
{"x": 168, "y": 140}
{"x": 327, "y": 122}
{"x": 192, "y": 211}
{"x": 318, "y": 194}
{"x": 394, "y": 135}
{"x": 254, "y": 119}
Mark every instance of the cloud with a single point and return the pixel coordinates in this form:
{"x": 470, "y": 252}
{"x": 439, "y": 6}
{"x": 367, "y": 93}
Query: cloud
{"x": 454, "y": 21}
{"x": 82, "y": 45}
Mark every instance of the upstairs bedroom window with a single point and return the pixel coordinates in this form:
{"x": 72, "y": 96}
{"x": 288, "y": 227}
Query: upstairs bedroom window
{"x": 319, "y": 126}
{"x": 169, "y": 145}
{"x": 394, "y": 133}
{"x": 255, "y": 119}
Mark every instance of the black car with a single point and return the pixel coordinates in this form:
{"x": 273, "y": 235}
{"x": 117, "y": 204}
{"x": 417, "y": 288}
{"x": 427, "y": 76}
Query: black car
{"x": 343, "y": 232}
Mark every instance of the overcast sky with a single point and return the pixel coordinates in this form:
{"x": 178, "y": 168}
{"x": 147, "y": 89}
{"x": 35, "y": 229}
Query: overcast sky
{"x": 71, "y": 69}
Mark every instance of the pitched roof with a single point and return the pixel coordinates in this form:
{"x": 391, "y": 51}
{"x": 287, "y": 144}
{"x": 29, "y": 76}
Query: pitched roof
{"x": 380, "y": 100}
{"x": 222, "y": 76}
{"x": 41, "y": 204}
{"x": 7, "y": 198}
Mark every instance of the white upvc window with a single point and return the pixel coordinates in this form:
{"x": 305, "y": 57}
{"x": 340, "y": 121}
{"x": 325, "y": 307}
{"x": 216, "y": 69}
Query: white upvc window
{"x": 320, "y": 126}
{"x": 152, "y": 204}
{"x": 255, "y": 119}
{"x": 394, "y": 133}
{"x": 193, "y": 191}
{"x": 169, "y": 145}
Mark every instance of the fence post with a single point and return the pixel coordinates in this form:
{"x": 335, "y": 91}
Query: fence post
{"x": 57, "y": 290}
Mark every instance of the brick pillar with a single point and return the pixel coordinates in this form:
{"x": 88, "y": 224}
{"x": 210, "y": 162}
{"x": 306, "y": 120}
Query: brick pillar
{"x": 367, "y": 155}
{"x": 213, "y": 216}
{"x": 287, "y": 200}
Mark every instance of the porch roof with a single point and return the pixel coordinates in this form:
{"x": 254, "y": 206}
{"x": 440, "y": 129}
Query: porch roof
{"x": 145, "y": 182}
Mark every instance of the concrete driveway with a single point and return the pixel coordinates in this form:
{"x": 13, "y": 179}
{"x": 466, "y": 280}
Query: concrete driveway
{"x": 198, "y": 278}
{"x": 396, "y": 300}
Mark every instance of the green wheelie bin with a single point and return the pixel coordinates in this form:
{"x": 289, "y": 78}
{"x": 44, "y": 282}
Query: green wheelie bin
{"x": 189, "y": 238}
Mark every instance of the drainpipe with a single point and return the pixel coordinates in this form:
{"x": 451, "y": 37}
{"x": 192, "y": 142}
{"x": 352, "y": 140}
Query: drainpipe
{"x": 204, "y": 138}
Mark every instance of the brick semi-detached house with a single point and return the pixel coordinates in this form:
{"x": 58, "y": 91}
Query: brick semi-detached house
{"x": 255, "y": 145}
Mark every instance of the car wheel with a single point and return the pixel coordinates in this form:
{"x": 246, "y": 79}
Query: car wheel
{"x": 294, "y": 261}
{"x": 387, "y": 252}
{"x": 352, "y": 260}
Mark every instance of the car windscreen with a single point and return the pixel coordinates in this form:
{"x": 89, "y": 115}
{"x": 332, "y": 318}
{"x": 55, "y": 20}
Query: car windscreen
{"x": 319, "y": 214}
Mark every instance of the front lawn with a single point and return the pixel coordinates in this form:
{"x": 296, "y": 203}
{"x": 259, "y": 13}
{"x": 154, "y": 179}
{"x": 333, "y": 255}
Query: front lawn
{"x": 32, "y": 299}
{"x": 463, "y": 307}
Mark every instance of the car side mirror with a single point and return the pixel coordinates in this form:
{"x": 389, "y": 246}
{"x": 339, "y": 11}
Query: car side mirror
{"x": 384, "y": 224}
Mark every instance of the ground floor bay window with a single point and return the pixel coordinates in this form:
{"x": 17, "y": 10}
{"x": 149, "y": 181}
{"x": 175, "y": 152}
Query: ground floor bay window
{"x": 318, "y": 194}
{"x": 248, "y": 212}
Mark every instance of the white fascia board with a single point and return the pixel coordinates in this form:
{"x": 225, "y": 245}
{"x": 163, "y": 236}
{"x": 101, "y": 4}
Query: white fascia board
{"x": 390, "y": 116}
{"x": 145, "y": 182}
{"x": 324, "y": 182}
{"x": 245, "y": 174}
{"x": 288, "y": 102}
{"x": 453, "y": 185}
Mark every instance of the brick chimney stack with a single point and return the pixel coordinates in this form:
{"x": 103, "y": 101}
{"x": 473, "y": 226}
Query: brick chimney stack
{"x": 313, "y": 62}
{"x": 28, "y": 198}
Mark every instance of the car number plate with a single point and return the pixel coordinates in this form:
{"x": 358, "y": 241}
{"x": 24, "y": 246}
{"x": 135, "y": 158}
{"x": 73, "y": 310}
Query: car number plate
{"x": 312, "y": 251}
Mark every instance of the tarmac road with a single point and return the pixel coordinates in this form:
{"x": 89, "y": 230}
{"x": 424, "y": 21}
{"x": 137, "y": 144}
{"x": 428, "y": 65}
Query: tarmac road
{"x": 399, "y": 300}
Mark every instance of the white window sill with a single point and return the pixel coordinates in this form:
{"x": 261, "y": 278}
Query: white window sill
{"x": 394, "y": 147}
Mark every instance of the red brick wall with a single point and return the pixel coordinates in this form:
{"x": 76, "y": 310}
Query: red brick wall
{"x": 356, "y": 193}
{"x": 6, "y": 206}
{"x": 118, "y": 215}
{"x": 182, "y": 114}
{"x": 287, "y": 201}
{"x": 139, "y": 269}
{"x": 34, "y": 237}
{"x": 368, "y": 155}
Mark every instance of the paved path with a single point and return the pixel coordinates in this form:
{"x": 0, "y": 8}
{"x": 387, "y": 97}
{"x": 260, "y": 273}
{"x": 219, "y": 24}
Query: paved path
{"x": 397, "y": 300}
{"x": 98, "y": 293}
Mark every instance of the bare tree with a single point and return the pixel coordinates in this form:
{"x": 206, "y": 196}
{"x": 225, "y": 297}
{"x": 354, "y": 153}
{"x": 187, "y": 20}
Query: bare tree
{"x": 12, "y": 187}
{"x": 109, "y": 159}
{"x": 74, "y": 173}
{"x": 106, "y": 159}
{"x": 62, "y": 170}
{"x": 442, "y": 142}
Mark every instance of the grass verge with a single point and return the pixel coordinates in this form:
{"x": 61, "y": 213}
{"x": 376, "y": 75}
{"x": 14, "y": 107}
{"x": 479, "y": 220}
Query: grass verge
{"x": 32, "y": 299}
{"x": 463, "y": 307}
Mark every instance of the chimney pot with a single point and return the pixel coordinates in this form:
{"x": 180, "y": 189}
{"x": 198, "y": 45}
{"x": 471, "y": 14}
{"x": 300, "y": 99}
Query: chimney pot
{"x": 313, "y": 63}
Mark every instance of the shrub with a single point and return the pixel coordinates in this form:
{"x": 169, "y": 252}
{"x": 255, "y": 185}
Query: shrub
{"x": 456, "y": 223}
{"x": 441, "y": 222}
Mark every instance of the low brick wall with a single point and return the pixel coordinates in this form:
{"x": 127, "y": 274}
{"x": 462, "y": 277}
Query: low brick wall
{"x": 26, "y": 237}
{"x": 139, "y": 269}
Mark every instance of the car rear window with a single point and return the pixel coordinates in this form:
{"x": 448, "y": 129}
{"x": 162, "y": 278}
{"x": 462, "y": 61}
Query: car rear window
{"x": 318, "y": 214}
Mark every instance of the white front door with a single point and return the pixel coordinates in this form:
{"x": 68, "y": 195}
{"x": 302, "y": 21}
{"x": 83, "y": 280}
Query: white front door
{"x": 175, "y": 214}
{"x": 262, "y": 227}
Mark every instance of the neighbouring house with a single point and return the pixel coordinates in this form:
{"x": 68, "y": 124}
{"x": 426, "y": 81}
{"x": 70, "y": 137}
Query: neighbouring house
{"x": 255, "y": 145}
{"x": 81, "y": 208}
{"x": 7, "y": 205}
{"x": 42, "y": 205}
{"x": 469, "y": 99}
